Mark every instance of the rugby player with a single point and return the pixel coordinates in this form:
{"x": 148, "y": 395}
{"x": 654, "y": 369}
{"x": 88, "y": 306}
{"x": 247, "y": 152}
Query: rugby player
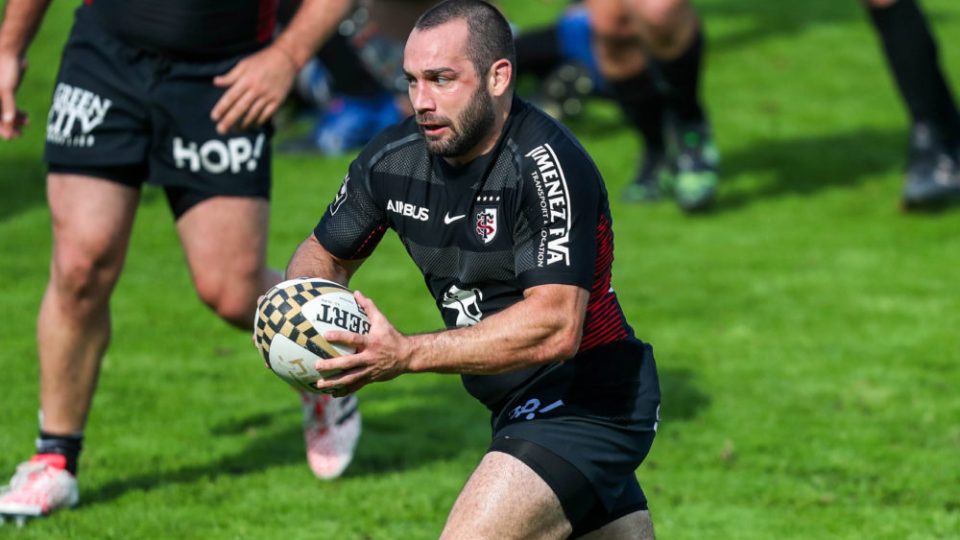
{"x": 177, "y": 93}
{"x": 507, "y": 217}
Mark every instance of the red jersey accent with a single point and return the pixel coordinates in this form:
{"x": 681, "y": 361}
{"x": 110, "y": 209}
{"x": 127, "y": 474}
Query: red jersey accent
{"x": 604, "y": 322}
{"x": 370, "y": 242}
{"x": 266, "y": 20}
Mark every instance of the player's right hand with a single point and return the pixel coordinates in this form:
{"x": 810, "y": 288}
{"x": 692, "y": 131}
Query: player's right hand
{"x": 12, "y": 119}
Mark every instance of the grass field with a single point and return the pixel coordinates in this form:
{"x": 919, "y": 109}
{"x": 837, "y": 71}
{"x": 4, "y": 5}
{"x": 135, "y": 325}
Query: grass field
{"x": 806, "y": 330}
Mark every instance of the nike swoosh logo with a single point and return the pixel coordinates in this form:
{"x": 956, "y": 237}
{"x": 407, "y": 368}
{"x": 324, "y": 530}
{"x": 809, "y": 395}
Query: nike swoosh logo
{"x": 448, "y": 219}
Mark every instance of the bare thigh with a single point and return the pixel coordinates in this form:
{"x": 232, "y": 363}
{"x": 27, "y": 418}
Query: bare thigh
{"x": 503, "y": 499}
{"x": 634, "y": 526}
{"x": 225, "y": 241}
{"x": 92, "y": 219}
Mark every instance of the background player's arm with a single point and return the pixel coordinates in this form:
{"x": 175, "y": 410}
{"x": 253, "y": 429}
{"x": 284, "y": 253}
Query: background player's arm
{"x": 545, "y": 326}
{"x": 258, "y": 84}
{"x": 313, "y": 260}
{"x": 20, "y": 23}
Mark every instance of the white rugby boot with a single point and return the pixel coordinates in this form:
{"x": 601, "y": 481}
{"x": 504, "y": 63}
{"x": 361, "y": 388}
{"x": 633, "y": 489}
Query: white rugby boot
{"x": 331, "y": 429}
{"x": 39, "y": 487}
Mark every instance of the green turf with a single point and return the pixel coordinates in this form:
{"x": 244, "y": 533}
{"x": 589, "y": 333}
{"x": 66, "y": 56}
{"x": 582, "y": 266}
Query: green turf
{"x": 806, "y": 330}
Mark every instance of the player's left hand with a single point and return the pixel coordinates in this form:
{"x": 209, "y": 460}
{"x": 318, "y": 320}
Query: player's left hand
{"x": 381, "y": 354}
{"x": 12, "y": 119}
{"x": 256, "y": 87}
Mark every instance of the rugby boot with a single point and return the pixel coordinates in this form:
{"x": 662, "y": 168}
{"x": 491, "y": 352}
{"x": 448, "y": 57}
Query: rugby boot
{"x": 697, "y": 159}
{"x": 39, "y": 487}
{"x": 933, "y": 173}
{"x": 653, "y": 179}
{"x": 331, "y": 430}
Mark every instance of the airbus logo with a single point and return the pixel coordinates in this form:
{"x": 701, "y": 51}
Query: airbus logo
{"x": 409, "y": 210}
{"x": 448, "y": 219}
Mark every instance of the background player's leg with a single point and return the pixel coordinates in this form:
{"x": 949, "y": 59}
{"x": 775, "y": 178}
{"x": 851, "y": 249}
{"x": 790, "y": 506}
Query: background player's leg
{"x": 914, "y": 60}
{"x": 643, "y": 106}
{"x": 225, "y": 241}
{"x": 622, "y": 58}
{"x": 673, "y": 34}
{"x": 92, "y": 220}
{"x": 504, "y": 498}
{"x": 627, "y": 34}
{"x": 911, "y": 52}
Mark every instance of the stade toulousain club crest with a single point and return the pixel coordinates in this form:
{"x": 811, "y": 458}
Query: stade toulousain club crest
{"x": 485, "y": 223}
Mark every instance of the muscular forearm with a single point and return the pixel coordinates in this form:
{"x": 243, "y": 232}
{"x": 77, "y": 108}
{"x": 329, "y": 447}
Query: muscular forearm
{"x": 545, "y": 327}
{"x": 20, "y": 22}
{"x": 313, "y": 24}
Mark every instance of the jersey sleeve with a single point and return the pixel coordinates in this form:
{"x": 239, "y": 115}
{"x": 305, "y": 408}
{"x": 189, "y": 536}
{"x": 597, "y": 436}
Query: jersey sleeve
{"x": 353, "y": 224}
{"x": 555, "y": 236}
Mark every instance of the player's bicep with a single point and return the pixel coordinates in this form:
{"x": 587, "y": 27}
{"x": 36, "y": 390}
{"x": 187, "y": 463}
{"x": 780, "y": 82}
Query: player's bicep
{"x": 555, "y": 314}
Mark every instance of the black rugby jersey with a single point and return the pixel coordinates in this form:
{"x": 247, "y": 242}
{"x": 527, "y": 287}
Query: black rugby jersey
{"x": 532, "y": 211}
{"x": 203, "y": 29}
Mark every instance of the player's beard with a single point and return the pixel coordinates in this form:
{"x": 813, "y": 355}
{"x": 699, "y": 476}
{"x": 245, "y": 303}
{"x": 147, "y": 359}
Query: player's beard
{"x": 469, "y": 129}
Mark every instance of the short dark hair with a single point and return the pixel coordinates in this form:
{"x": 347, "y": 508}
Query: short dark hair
{"x": 490, "y": 36}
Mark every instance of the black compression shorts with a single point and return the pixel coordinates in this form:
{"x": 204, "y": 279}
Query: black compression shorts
{"x": 585, "y": 427}
{"x": 134, "y": 116}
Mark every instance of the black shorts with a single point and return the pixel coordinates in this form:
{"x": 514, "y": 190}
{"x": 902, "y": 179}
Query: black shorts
{"x": 584, "y": 427}
{"x": 133, "y": 116}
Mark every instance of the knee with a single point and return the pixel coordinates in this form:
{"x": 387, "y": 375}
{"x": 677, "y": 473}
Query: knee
{"x": 232, "y": 297}
{"x": 83, "y": 277}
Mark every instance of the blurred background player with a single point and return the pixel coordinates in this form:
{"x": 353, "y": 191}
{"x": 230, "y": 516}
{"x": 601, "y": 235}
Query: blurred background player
{"x": 933, "y": 162}
{"x": 177, "y": 93}
{"x": 647, "y": 55}
{"x": 354, "y": 87}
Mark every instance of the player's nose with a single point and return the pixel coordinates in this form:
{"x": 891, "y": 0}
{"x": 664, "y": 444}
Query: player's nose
{"x": 421, "y": 99}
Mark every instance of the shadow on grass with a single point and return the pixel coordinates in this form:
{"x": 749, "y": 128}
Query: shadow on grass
{"x": 681, "y": 399}
{"x": 764, "y": 20}
{"x": 22, "y": 186}
{"x": 403, "y": 429}
{"x": 806, "y": 165}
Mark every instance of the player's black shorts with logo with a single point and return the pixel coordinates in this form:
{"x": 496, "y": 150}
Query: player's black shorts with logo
{"x": 131, "y": 115}
{"x": 584, "y": 426}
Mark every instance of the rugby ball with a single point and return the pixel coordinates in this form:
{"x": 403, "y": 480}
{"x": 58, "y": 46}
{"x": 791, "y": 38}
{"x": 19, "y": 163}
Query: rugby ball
{"x": 289, "y": 325}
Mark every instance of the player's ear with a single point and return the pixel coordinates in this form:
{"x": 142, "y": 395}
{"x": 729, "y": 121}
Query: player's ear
{"x": 500, "y": 76}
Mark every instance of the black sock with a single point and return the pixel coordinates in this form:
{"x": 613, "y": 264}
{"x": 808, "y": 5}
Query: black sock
{"x": 912, "y": 55}
{"x": 642, "y": 102}
{"x": 538, "y": 52}
{"x": 68, "y": 446}
{"x": 682, "y": 75}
